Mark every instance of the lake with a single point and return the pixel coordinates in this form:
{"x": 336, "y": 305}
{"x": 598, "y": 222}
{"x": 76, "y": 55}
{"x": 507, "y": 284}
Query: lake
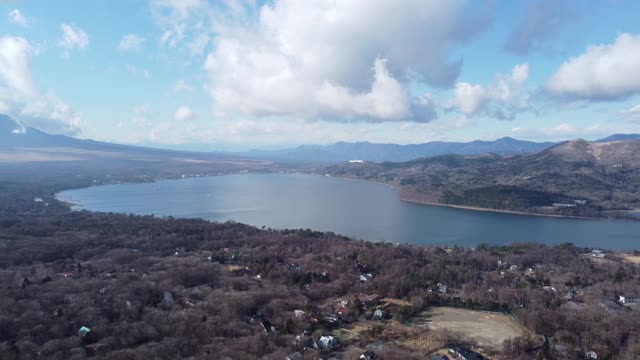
{"x": 353, "y": 208}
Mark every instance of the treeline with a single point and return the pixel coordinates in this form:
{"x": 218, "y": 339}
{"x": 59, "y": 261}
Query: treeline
{"x": 176, "y": 288}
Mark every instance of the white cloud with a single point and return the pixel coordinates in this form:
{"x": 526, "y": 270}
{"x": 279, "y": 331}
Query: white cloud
{"x": 469, "y": 98}
{"x": 386, "y": 99}
{"x": 313, "y": 59}
{"x": 52, "y": 115}
{"x": 131, "y": 42}
{"x": 181, "y": 86}
{"x": 184, "y": 113}
{"x": 15, "y": 73}
{"x": 174, "y": 16}
{"x": 17, "y": 17}
{"x": 632, "y": 113}
{"x": 503, "y": 98}
{"x": 73, "y": 38}
{"x": 602, "y": 72}
{"x": 19, "y": 97}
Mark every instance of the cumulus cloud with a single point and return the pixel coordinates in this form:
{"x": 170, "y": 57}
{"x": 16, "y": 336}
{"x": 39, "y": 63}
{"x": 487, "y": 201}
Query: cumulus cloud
{"x": 19, "y": 97}
{"x": 15, "y": 73}
{"x": 602, "y": 72}
{"x": 502, "y": 99}
{"x": 73, "y": 37}
{"x": 131, "y": 42}
{"x": 50, "y": 114}
{"x": 314, "y": 59}
{"x": 469, "y": 98}
{"x": 539, "y": 26}
{"x": 184, "y": 113}
{"x": 16, "y": 17}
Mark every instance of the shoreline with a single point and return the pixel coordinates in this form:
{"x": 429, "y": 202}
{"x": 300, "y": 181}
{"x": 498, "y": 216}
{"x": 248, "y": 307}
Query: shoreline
{"x": 398, "y": 189}
{"x": 512, "y": 212}
{"x": 473, "y": 208}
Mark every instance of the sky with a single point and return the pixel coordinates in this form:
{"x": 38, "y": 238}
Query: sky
{"x": 243, "y": 74}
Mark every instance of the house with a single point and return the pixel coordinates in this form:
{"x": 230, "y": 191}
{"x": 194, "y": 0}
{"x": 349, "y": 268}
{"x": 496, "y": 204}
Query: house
{"x": 83, "y": 331}
{"x": 298, "y": 313}
{"x": 564, "y": 205}
{"x": 266, "y": 326}
{"x": 294, "y": 356}
{"x": 367, "y": 355}
{"x": 513, "y": 268}
{"x": 597, "y": 253}
{"x": 326, "y": 343}
{"x": 366, "y": 277}
{"x": 591, "y": 355}
{"x": 330, "y": 318}
{"x": 167, "y": 298}
{"x": 628, "y": 300}
{"x": 571, "y": 295}
{"x": 356, "y": 161}
{"x": 362, "y": 300}
{"x": 379, "y": 314}
{"x": 442, "y": 288}
{"x": 530, "y": 272}
{"x": 462, "y": 353}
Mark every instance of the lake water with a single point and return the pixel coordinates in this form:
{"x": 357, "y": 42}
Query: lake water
{"x": 353, "y": 208}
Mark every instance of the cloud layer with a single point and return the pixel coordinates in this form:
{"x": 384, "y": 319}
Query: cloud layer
{"x": 540, "y": 24}
{"x": 326, "y": 60}
{"x": 19, "y": 97}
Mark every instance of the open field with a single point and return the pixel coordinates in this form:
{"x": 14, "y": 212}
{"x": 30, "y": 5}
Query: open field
{"x": 635, "y": 259}
{"x": 487, "y": 329}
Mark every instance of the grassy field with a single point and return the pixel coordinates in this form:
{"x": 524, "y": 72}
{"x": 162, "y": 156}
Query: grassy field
{"x": 487, "y": 329}
{"x": 631, "y": 258}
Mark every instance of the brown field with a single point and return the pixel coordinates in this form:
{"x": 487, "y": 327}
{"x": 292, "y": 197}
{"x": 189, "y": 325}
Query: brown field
{"x": 635, "y": 259}
{"x": 487, "y": 329}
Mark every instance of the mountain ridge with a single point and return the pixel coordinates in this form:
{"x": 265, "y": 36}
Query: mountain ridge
{"x": 14, "y": 134}
{"x": 572, "y": 178}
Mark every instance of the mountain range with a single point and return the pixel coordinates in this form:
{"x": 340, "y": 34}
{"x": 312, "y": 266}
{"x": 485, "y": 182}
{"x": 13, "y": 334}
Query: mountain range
{"x": 19, "y": 139}
{"x": 366, "y": 151}
{"x": 18, "y": 142}
{"x": 576, "y": 178}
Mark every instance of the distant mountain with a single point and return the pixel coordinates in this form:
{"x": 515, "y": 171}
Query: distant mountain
{"x": 620, "y": 137}
{"x": 577, "y": 178}
{"x": 20, "y": 139}
{"x": 344, "y": 151}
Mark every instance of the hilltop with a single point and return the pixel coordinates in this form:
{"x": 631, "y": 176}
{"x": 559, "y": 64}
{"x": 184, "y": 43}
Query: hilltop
{"x": 573, "y": 178}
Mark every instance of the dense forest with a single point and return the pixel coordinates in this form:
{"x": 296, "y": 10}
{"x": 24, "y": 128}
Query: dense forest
{"x": 81, "y": 284}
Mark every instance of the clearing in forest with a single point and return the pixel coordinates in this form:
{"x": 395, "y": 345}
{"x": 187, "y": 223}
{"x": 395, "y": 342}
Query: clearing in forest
{"x": 486, "y": 328}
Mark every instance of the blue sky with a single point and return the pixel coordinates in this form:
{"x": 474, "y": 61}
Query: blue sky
{"x": 233, "y": 75}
